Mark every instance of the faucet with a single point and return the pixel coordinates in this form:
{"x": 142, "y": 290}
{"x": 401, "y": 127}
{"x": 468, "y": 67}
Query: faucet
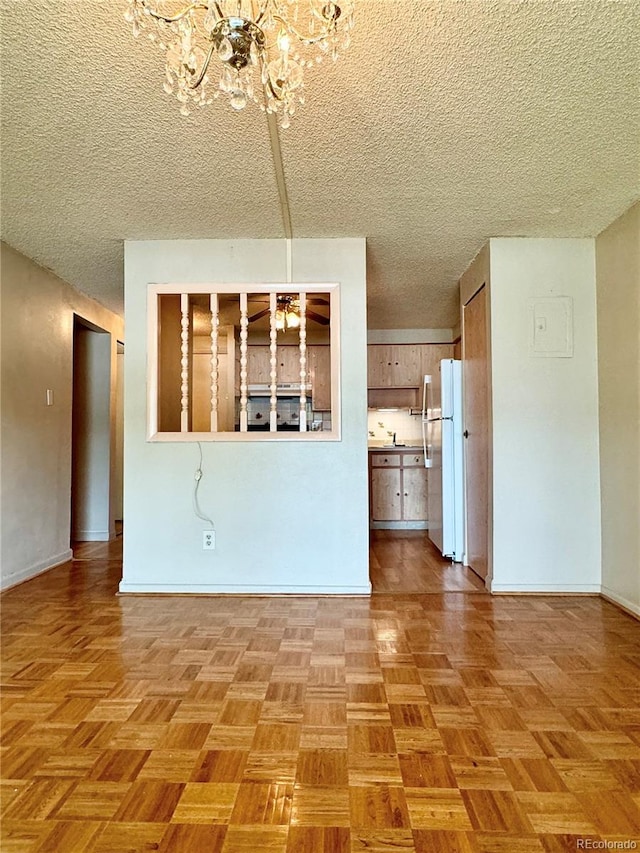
{"x": 394, "y": 439}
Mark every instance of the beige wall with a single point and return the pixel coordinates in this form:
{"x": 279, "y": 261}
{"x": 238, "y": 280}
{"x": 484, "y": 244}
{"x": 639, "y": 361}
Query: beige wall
{"x": 618, "y": 295}
{"x": 37, "y": 311}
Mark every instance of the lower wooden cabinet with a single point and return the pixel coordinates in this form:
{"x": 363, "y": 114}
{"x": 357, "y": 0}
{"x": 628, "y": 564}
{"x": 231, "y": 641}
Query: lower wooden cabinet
{"x": 398, "y": 489}
{"x": 386, "y": 494}
{"x": 414, "y": 494}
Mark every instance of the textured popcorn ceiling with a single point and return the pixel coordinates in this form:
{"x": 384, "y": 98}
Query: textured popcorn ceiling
{"x": 445, "y": 123}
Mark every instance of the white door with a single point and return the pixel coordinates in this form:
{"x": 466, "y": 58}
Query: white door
{"x": 476, "y": 414}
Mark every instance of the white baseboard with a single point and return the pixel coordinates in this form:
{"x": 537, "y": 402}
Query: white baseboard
{"x": 546, "y": 589}
{"x": 92, "y": 536}
{"x": 35, "y": 570}
{"x": 239, "y": 589}
{"x": 620, "y": 600}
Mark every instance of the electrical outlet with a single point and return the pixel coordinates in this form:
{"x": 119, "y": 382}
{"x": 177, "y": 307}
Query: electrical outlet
{"x": 208, "y": 540}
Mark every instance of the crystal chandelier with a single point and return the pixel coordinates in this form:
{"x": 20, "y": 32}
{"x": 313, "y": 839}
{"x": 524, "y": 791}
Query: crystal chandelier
{"x": 260, "y": 48}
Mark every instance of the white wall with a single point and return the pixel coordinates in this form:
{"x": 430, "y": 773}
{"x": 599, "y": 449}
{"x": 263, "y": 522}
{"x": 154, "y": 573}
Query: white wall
{"x": 618, "y": 282}
{"x": 546, "y": 504}
{"x": 407, "y": 427}
{"x": 119, "y": 438}
{"x": 37, "y": 354}
{"x": 91, "y": 460}
{"x": 289, "y": 516}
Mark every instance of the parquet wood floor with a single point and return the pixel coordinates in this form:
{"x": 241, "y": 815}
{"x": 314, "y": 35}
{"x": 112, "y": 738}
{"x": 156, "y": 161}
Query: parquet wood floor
{"x": 448, "y": 722}
{"x": 406, "y": 561}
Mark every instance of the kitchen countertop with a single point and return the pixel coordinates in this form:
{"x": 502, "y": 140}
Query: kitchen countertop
{"x": 410, "y": 446}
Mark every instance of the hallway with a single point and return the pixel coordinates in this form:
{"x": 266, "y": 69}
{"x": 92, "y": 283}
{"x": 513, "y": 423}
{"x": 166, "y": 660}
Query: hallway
{"x": 406, "y": 561}
{"x": 441, "y": 722}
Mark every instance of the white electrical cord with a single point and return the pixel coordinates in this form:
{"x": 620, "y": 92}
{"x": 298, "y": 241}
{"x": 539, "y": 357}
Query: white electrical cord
{"x": 289, "y": 260}
{"x": 196, "y": 503}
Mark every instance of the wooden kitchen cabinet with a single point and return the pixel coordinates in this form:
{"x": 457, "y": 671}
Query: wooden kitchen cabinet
{"x": 288, "y": 370}
{"x": 386, "y": 497}
{"x": 431, "y": 355}
{"x": 377, "y": 366}
{"x": 414, "y": 494}
{"x": 289, "y": 364}
{"x": 403, "y": 365}
{"x": 398, "y": 489}
{"x": 393, "y": 365}
{"x": 319, "y": 369}
{"x": 259, "y": 364}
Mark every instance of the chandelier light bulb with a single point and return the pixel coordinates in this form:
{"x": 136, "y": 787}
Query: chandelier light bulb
{"x": 219, "y": 46}
{"x": 284, "y": 42}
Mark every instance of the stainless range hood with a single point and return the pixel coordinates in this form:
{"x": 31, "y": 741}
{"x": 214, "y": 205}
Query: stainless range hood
{"x": 283, "y": 389}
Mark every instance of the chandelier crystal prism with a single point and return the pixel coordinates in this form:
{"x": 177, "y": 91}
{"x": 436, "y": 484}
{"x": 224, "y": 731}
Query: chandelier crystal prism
{"x": 259, "y": 50}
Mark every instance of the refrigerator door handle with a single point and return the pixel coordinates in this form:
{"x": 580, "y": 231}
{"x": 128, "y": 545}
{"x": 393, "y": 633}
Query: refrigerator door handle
{"x": 426, "y": 380}
{"x": 424, "y": 420}
{"x": 427, "y": 461}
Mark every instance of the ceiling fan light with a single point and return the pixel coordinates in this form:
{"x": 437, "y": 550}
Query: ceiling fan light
{"x": 293, "y": 320}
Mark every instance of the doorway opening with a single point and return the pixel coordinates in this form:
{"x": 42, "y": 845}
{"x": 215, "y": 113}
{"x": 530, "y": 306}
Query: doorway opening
{"x": 91, "y": 516}
{"x": 407, "y": 562}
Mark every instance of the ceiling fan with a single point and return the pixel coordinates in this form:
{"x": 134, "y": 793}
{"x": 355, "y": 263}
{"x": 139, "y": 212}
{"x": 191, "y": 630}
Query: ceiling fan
{"x": 288, "y": 312}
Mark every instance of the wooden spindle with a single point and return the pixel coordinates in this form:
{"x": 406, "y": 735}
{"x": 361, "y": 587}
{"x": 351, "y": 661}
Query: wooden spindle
{"x": 184, "y": 362}
{"x": 213, "y": 306}
{"x": 273, "y": 334}
{"x": 303, "y": 361}
{"x": 244, "y": 334}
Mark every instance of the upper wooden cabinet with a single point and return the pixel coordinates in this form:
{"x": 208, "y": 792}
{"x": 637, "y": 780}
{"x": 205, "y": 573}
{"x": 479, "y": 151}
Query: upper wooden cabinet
{"x": 319, "y": 368}
{"x": 259, "y": 364}
{"x": 288, "y": 370}
{"x": 403, "y": 365}
{"x": 432, "y": 355}
{"x": 393, "y": 366}
{"x": 288, "y": 364}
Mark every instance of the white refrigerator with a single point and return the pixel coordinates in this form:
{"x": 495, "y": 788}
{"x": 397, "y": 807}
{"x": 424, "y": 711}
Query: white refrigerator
{"x": 443, "y": 453}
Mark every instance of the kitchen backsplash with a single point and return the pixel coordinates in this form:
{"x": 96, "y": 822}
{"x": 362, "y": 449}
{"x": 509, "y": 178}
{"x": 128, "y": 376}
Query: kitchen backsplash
{"x": 406, "y": 427}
